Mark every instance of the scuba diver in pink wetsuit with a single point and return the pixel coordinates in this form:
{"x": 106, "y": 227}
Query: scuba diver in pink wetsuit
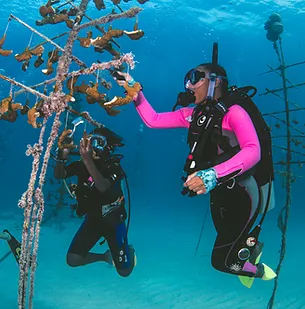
{"x": 230, "y": 158}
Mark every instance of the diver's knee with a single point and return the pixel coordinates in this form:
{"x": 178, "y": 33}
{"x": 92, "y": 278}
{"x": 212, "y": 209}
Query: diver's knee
{"x": 73, "y": 259}
{"x": 126, "y": 271}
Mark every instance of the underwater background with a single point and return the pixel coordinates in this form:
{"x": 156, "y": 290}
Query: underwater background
{"x": 165, "y": 225}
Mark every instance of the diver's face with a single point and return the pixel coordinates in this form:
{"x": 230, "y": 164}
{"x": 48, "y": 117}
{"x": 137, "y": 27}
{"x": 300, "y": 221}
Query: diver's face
{"x": 98, "y": 144}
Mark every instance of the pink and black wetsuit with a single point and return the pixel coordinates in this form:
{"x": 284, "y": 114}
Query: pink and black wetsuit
{"x": 232, "y": 206}
{"x": 236, "y": 124}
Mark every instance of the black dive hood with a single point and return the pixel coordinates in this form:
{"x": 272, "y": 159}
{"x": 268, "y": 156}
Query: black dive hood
{"x": 187, "y": 97}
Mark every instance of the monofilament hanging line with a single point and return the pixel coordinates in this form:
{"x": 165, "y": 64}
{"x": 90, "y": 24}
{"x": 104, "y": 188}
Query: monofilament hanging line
{"x": 6, "y": 28}
{"x": 284, "y": 214}
{"x": 30, "y": 41}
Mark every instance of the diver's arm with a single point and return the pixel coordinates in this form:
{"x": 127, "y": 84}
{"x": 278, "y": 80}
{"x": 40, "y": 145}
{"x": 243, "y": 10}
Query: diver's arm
{"x": 176, "y": 119}
{"x": 101, "y": 183}
{"x": 249, "y": 155}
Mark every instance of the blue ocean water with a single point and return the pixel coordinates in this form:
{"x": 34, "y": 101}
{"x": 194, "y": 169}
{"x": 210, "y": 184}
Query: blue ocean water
{"x": 165, "y": 226}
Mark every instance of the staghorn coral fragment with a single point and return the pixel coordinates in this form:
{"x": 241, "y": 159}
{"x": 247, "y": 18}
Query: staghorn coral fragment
{"x": 5, "y": 104}
{"x": 54, "y": 55}
{"x": 102, "y": 41}
{"x": 90, "y": 100}
{"x": 38, "y": 62}
{"x": 131, "y": 94}
{"x": 47, "y": 9}
{"x": 111, "y": 111}
{"x": 64, "y": 141}
{"x": 69, "y": 23}
{"x": 2, "y": 40}
{"x": 109, "y": 48}
{"x": 85, "y": 42}
{"x": 134, "y": 35}
{"x": 10, "y": 116}
{"x": 25, "y": 65}
{"x": 52, "y": 20}
{"x": 70, "y": 85}
{"x": 82, "y": 88}
{"x": 73, "y": 11}
{"x": 118, "y": 101}
{"x": 37, "y": 51}
{"x": 16, "y": 106}
{"x": 5, "y": 52}
{"x": 33, "y": 114}
{"x": 69, "y": 98}
{"x": 25, "y": 108}
{"x": 99, "y": 4}
{"x": 93, "y": 95}
{"x": 53, "y": 58}
{"x": 49, "y": 70}
{"x": 24, "y": 56}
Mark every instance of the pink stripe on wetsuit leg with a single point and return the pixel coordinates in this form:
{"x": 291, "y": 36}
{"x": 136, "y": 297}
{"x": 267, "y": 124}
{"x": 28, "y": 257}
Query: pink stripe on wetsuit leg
{"x": 236, "y": 120}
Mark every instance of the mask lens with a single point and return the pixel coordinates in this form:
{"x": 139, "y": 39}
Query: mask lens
{"x": 193, "y": 76}
{"x": 98, "y": 143}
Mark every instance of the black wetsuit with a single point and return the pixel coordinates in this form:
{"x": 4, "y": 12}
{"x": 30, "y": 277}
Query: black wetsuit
{"x": 105, "y": 214}
{"x": 235, "y": 204}
{"x": 234, "y": 208}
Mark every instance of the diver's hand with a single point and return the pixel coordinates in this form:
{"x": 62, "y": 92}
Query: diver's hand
{"x": 65, "y": 141}
{"x": 85, "y": 149}
{"x": 127, "y": 77}
{"x": 64, "y": 153}
{"x": 195, "y": 183}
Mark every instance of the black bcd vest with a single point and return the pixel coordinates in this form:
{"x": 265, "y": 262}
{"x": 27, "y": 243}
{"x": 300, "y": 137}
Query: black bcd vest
{"x": 205, "y": 135}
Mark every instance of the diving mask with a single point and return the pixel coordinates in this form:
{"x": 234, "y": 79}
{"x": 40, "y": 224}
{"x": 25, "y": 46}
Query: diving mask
{"x": 192, "y": 77}
{"x": 98, "y": 143}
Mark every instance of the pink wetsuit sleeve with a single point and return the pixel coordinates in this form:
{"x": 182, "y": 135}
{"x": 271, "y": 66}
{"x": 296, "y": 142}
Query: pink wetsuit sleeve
{"x": 238, "y": 121}
{"x": 176, "y": 119}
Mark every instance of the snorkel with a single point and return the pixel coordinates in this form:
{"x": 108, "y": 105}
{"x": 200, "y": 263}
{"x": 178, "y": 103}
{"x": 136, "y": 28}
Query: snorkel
{"x": 212, "y": 77}
{"x": 187, "y": 97}
{"x": 76, "y": 122}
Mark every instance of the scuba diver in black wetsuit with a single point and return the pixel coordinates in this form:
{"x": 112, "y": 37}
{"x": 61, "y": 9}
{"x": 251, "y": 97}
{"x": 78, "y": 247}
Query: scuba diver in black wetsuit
{"x": 100, "y": 199}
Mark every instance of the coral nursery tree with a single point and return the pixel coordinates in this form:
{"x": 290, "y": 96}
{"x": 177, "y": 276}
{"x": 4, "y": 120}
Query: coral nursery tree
{"x": 51, "y": 105}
